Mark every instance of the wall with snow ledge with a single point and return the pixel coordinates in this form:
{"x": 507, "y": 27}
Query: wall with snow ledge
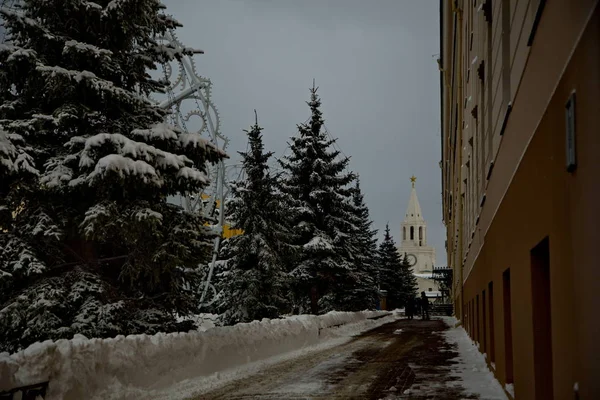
{"x": 82, "y": 368}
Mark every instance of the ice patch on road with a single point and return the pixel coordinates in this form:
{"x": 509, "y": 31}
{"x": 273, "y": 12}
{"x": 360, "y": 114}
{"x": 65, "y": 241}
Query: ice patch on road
{"x": 314, "y": 380}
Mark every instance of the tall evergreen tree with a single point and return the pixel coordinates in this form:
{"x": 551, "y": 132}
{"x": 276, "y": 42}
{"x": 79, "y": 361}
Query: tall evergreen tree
{"x": 253, "y": 281}
{"x": 316, "y": 186}
{"x": 362, "y": 293}
{"x": 409, "y": 280}
{"x": 393, "y": 274}
{"x": 90, "y": 244}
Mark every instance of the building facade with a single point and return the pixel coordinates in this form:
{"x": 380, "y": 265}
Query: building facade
{"x": 520, "y": 111}
{"x": 414, "y": 245}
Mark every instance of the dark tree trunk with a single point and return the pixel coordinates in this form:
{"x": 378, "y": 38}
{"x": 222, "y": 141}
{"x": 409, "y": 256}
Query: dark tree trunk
{"x": 314, "y": 300}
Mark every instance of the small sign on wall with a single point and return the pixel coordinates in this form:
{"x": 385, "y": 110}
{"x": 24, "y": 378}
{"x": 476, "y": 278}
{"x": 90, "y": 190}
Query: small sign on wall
{"x": 570, "y": 130}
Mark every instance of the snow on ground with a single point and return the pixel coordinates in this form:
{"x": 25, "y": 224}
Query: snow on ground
{"x": 471, "y": 367}
{"x": 510, "y": 388}
{"x": 331, "y": 337}
{"x": 204, "y": 322}
{"x": 163, "y": 365}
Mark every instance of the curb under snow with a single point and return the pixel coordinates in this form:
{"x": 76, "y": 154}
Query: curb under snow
{"x": 82, "y": 368}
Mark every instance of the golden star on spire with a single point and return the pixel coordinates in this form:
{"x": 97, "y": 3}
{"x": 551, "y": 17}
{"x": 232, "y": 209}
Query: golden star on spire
{"x": 413, "y": 179}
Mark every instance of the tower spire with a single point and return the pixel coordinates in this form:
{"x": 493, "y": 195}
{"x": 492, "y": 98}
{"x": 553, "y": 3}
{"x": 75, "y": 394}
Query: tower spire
{"x": 413, "y": 211}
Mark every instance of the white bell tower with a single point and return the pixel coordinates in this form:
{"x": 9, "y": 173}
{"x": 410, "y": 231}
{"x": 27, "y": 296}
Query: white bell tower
{"x": 413, "y": 243}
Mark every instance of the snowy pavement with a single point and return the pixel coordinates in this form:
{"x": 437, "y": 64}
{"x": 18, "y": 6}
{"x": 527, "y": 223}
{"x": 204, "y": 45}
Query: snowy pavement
{"x": 400, "y": 360}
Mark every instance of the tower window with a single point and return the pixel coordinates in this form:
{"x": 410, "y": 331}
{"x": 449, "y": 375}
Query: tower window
{"x": 420, "y": 233}
{"x": 412, "y": 233}
{"x": 403, "y": 233}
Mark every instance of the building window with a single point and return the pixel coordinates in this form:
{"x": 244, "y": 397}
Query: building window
{"x": 403, "y": 233}
{"x": 412, "y": 233}
{"x": 420, "y": 233}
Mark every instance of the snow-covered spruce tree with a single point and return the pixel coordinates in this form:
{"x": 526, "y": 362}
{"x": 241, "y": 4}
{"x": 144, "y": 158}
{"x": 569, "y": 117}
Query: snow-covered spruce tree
{"x": 362, "y": 293}
{"x": 409, "y": 280}
{"x": 315, "y": 183}
{"x": 252, "y": 283}
{"x": 391, "y": 272}
{"x": 89, "y": 244}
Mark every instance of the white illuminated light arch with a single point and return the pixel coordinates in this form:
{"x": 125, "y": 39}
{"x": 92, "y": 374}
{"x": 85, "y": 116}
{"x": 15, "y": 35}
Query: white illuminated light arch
{"x": 188, "y": 97}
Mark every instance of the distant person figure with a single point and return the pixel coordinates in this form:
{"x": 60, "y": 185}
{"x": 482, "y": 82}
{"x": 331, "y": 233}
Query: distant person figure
{"x": 417, "y": 305}
{"x": 410, "y": 308}
{"x": 424, "y": 306}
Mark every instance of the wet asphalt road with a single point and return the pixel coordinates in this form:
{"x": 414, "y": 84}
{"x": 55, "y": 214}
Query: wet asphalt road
{"x": 401, "y": 360}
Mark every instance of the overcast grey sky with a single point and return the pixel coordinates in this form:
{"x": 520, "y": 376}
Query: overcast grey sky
{"x": 374, "y": 63}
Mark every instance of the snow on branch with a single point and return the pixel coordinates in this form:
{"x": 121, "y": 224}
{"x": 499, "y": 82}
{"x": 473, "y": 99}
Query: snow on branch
{"x": 25, "y": 22}
{"x": 44, "y": 226}
{"x": 57, "y": 174}
{"x": 159, "y": 131}
{"x": 169, "y": 52}
{"x": 318, "y": 243}
{"x": 99, "y": 84}
{"x": 195, "y": 140}
{"x": 7, "y": 151}
{"x": 115, "y": 4}
{"x": 19, "y": 53}
{"x": 125, "y": 166}
{"x": 91, "y": 5}
{"x": 148, "y": 214}
{"x": 18, "y": 258}
{"x": 80, "y": 47}
{"x": 25, "y": 162}
{"x": 94, "y": 216}
{"x": 193, "y": 174}
{"x": 128, "y": 147}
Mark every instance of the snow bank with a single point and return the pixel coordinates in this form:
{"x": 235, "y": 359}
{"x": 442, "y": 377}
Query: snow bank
{"x": 204, "y": 322}
{"x": 470, "y": 365}
{"x": 84, "y": 368}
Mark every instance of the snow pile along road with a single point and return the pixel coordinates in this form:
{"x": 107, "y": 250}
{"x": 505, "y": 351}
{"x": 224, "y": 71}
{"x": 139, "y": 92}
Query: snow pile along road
{"x": 470, "y": 366}
{"x": 124, "y": 366}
